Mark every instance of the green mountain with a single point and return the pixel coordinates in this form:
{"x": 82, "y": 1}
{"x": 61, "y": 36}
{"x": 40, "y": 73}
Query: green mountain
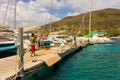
{"x": 107, "y": 20}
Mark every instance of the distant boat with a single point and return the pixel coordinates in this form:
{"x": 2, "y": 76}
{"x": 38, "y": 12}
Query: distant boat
{"x": 96, "y": 37}
{"x": 58, "y": 37}
{"x": 7, "y": 43}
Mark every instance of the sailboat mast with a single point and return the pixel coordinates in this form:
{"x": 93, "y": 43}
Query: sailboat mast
{"x": 83, "y": 23}
{"x": 14, "y": 14}
{"x": 90, "y": 16}
{"x": 51, "y": 16}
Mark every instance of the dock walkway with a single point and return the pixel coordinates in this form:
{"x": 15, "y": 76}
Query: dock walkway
{"x": 8, "y": 65}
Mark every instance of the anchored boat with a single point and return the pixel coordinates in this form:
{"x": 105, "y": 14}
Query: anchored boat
{"x": 7, "y": 43}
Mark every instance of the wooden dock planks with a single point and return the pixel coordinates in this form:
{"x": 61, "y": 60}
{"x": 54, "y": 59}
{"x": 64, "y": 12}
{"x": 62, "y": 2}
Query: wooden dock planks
{"x": 8, "y": 65}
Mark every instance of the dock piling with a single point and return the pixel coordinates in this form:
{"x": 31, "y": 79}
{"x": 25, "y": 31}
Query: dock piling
{"x": 21, "y": 52}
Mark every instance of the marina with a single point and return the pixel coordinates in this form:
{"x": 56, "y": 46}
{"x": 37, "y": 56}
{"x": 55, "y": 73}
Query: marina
{"x": 9, "y": 64}
{"x": 94, "y": 62}
{"x": 59, "y": 40}
{"x": 23, "y": 64}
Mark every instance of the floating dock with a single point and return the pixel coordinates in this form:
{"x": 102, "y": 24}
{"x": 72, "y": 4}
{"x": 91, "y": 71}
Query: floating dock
{"x": 9, "y": 65}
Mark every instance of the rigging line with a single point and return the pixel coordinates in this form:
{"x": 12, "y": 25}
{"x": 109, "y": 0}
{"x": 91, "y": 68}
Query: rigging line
{"x": 46, "y": 19}
{"x": 83, "y": 24}
{"x": 9, "y": 13}
{"x": 1, "y": 10}
{"x": 45, "y": 22}
{"x": 4, "y": 18}
{"x": 90, "y": 16}
{"x": 20, "y": 16}
{"x": 51, "y": 16}
{"x": 14, "y": 14}
{"x": 27, "y": 13}
{"x": 18, "y": 69}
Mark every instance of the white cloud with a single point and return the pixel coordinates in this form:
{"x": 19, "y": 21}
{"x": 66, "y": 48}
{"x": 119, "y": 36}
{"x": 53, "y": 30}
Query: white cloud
{"x": 84, "y": 5}
{"x": 28, "y": 14}
{"x": 3, "y": 1}
{"x": 73, "y": 13}
{"x": 48, "y": 3}
{"x": 37, "y": 12}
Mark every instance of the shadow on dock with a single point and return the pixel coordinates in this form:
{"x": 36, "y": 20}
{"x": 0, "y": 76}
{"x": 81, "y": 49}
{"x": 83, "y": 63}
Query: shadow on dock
{"x": 6, "y": 54}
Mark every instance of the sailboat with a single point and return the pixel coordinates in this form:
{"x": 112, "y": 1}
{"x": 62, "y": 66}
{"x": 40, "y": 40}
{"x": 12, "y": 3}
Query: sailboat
{"x": 89, "y": 36}
{"x": 57, "y": 37}
{"x": 7, "y": 43}
{"x": 93, "y": 37}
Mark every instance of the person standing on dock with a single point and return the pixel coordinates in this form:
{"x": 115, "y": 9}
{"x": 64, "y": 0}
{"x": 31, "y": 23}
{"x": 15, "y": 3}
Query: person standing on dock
{"x": 32, "y": 40}
{"x": 75, "y": 43}
{"x": 41, "y": 41}
{"x": 37, "y": 42}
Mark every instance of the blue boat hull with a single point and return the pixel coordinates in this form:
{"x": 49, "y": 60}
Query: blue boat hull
{"x": 6, "y": 51}
{"x": 4, "y": 45}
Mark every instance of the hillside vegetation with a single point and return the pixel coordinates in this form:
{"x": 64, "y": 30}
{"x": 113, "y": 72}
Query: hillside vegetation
{"x": 107, "y": 20}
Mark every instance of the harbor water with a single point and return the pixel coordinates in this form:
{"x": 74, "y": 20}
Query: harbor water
{"x": 95, "y": 62}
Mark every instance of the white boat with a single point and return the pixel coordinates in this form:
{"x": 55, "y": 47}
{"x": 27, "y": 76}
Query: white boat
{"x": 7, "y": 43}
{"x": 57, "y": 39}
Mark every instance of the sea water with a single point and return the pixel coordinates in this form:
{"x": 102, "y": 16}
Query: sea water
{"x": 95, "y": 62}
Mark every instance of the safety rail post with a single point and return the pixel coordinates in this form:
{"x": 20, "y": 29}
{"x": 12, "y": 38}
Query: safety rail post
{"x": 21, "y": 53}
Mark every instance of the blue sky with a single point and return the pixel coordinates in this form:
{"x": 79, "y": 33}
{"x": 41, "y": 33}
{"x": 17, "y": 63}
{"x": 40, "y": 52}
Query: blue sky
{"x": 62, "y": 12}
{"x": 37, "y": 12}
{"x": 74, "y": 7}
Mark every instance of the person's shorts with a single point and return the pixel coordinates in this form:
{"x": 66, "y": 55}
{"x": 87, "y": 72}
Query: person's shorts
{"x": 33, "y": 48}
